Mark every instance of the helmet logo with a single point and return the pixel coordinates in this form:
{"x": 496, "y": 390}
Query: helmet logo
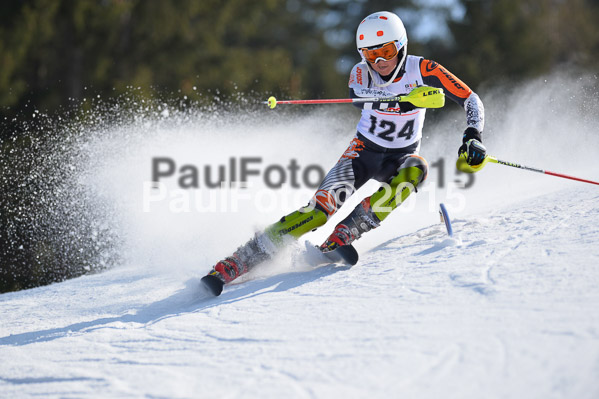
{"x": 380, "y": 33}
{"x": 361, "y": 37}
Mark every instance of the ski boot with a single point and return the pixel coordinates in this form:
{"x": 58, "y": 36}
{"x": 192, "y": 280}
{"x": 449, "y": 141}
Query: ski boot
{"x": 358, "y": 222}
{"x": 337, "y": 247}
{"x": 256, "y": 250}
{"x": 263, "y": 247}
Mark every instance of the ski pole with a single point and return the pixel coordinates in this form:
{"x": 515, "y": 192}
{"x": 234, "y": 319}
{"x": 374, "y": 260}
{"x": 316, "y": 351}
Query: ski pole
{"x": 463, "y": 166}
{"x": 421, "y": 97}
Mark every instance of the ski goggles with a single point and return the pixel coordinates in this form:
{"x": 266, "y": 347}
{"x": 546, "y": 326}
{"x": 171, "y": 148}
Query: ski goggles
{"x": 387, "y": 51}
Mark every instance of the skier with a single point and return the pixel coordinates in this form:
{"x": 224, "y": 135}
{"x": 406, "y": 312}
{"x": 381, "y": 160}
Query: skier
{"x": 385, "y": 148}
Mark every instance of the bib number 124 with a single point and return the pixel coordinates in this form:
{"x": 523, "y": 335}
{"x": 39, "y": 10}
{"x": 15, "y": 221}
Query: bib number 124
{"x": 389, "y": 132}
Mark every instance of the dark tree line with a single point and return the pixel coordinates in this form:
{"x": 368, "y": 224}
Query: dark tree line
{"x": 55, "y": 53}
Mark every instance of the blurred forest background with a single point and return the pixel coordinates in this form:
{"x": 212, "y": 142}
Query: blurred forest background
{"x": 55, "y": 53}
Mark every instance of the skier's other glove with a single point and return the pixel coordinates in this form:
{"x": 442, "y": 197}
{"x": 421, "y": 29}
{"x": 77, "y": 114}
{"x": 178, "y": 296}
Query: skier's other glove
{"x": 473, "y": 147}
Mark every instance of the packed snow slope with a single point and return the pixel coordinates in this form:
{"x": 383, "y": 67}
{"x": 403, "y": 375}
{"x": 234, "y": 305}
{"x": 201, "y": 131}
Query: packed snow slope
{"x": 507, "y": 308}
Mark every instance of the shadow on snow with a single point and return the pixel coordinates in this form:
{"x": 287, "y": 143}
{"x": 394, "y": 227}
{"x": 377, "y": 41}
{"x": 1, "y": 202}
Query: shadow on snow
{"x": 187, "y": 300}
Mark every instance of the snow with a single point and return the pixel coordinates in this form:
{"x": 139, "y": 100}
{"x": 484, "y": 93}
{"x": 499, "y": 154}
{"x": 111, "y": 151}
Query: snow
{"x": 507, "y": 308}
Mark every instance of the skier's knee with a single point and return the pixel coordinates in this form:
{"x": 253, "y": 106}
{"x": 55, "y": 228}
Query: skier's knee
{"x": 417, "y": 175}
{"x": 325, "y": 201}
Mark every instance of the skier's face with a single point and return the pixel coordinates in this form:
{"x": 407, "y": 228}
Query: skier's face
{"x": 384, "y": 67}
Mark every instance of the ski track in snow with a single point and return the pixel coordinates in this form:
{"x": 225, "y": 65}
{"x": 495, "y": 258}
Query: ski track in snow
{"x": 507, "y": 308}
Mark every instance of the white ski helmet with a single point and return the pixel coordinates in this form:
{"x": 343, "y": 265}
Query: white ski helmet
{"x": 381, "y": 28}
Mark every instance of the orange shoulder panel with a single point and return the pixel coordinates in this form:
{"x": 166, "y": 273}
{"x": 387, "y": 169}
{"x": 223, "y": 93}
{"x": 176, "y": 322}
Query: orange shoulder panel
{"x": 447, "y": 79}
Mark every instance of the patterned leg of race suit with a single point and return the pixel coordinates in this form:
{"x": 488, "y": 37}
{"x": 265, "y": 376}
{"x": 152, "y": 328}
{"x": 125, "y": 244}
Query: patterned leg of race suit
{"x": 374, "y": 209}
{"x": 265, "y": 245}
{"x": 336, "y": 186}
{"x": 356, "y": 166}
